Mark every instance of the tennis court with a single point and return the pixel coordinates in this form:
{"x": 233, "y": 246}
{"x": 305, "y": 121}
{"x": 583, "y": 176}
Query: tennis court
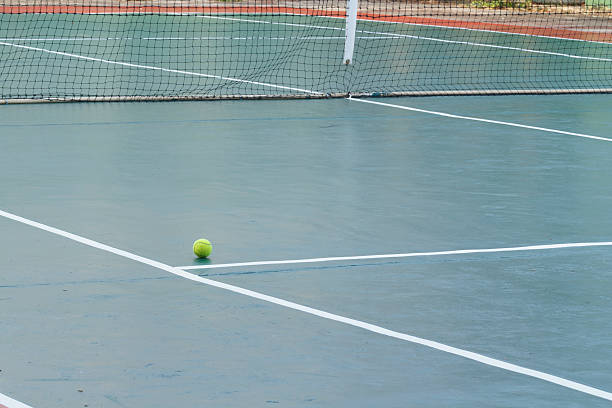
{"x": 390, "y": 252}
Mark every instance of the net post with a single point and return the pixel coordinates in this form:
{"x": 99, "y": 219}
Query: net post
{"x": 351, "y": 26}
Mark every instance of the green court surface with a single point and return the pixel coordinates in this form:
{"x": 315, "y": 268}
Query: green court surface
{"x": 115, "y": 55}
{"x": 286, "y": 180}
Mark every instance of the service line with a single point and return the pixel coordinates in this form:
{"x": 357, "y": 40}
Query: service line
{"x": 406, "y": 255}
{"x": 320, "y": 313}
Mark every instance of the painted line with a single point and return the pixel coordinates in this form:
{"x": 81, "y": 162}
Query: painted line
{"x": 8, "y": 402}
{"x": 483, "y": 45}
{"x": 482, "y": 30}
{"x": 246, "y": 20}
{"x": 374, "y": 20}
{"x": 453, "y": 27}
{"x": 431, "y": 25}
{"x": 93, "y": 39}
{"x": 377, "y": 34}
{"x": 497, "y": 122}
{"x": 370, "y": 35}
{"x": 320, "y": 313}
{"x": 308, "y": 37}
{"x": 406, "y": 255}
{"x": 174, "y": 71}
{"x": 296, "y": 11}
{"x": 417, "y": 37}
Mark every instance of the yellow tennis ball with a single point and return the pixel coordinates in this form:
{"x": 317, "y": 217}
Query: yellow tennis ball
{"x": 202, "y": 248}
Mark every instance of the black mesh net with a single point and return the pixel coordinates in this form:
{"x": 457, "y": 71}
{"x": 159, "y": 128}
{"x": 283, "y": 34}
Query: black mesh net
{"x": 147, "y": 50}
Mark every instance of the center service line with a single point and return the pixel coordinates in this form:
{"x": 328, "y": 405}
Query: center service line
{"x": 320, "y": 313}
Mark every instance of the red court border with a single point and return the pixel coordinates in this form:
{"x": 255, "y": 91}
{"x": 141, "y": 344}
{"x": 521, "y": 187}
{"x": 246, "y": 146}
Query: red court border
{"x": 475, "y": 25}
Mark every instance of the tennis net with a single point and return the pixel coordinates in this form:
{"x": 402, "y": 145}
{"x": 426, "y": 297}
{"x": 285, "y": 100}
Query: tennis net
{"x": 165, "y": 49}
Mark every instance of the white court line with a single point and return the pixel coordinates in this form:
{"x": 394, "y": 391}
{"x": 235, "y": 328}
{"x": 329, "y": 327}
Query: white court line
{"x": 246, "y": 20}
{"x": 482, "y": 30}
{"x": 55, "y": 39}
{"x": 374, "y": 35}
{"x": 417, "y": 37}
{"x": 502, "y": 47}
{"x": 497, "y": 122}
{"x": 406, "y": 255}
{"x": 378, "y": 35}
{"x": 320, "y": 313}
{"x": 371, "y": 20}
{"x": 8, "y": 402}
{"x": 175, "y": 71}
{"x": 93, "y": 39}
{"x": 550, "y": 37}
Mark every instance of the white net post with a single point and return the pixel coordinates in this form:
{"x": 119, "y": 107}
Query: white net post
{"x": 351, "y": 26}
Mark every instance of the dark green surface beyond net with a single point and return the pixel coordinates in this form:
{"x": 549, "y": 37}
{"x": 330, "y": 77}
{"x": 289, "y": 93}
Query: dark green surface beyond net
{"x": 207, "y": 50}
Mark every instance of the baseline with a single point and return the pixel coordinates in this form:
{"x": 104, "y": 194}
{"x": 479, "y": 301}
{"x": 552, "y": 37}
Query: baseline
{"x": 320, "y": 313}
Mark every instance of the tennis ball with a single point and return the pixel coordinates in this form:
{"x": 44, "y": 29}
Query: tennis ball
{"x": 202, "y": 248}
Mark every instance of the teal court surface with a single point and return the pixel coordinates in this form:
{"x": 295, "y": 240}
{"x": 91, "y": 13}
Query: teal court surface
{"x": 492, "y": 288}
{"x": 439, "y": 251}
